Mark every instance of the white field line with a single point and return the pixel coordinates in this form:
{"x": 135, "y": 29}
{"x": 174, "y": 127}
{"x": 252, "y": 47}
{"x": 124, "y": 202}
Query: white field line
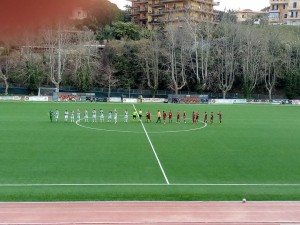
{"x": 135, "y": 132}
{"x": 139, "y": 184}
{"x": 161, "y": 168}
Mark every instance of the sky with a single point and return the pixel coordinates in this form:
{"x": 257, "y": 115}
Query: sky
{"x": 224, "y": 4}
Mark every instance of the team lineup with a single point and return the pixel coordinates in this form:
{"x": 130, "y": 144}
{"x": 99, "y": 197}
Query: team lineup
{"x": 112, "y": 116}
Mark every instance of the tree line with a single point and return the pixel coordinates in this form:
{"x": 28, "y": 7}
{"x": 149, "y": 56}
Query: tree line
{"x": 196, "y": 57}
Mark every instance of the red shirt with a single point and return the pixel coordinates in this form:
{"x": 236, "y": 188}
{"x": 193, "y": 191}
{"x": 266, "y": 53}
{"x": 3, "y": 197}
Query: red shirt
{"x": 170, "y": 114}
{"x": 164, "y": 115}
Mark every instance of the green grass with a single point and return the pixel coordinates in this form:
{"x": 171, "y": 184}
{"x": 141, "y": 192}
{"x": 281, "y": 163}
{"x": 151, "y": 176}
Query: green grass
{"x": 255, "y": 144}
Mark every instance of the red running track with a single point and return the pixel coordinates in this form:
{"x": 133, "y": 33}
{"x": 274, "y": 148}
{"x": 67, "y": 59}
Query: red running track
{"x": 149, "y": 213}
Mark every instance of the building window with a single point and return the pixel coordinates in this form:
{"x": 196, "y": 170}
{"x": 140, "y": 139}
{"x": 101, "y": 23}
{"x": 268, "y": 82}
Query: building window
{"x": 285, "y": 16}
{"x": 295, "y": 5}
{"x": 275, "y": 7}
{"x": 294, "y": 14}
{"x": 274, "y": 15}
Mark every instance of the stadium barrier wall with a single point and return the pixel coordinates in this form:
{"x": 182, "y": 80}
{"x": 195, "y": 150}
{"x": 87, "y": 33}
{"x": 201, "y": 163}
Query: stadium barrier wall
{"x": 188, "y": 99}
{"x": 10, "y": 98}
{"x": 130, "y": 100}
{"x": 227, "y": 101}
{"x": 114, "y": 99}
{"x": 73, "y": 97}
{"x": 296, "y": 102}
{"x": 154, "y": 100}
{"x": 36, "y": 98}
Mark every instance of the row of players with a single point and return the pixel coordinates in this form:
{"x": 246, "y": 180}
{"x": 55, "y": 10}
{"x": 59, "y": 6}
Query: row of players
{"x": 86, "y": 116}
{"x": 195, "y": 117}
{"x": 135, "y": 114}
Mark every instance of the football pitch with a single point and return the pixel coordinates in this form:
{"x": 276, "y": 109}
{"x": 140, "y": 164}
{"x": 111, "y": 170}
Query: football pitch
{"x": 253, "y": 154}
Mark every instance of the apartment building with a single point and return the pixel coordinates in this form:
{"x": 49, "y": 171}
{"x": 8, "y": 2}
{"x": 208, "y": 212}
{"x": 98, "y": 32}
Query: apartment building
{"x": 284, "y": 12}
{"x": 151, "y": 13}
{"x": 248, "y": 14}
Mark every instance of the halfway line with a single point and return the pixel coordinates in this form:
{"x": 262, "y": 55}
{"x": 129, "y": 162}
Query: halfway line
{"x": 161, "y": 168}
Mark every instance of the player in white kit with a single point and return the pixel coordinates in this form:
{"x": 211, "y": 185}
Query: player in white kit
{"x": 101, "y": 116}
{"x": 56, "y": 114}
{"x": 126, "y": 116}
{"x": 94, "y": 116}
{"x": 109, "y": 116}
{"x": 115, "y": 116}
{"x": 66, "y": 116}
{"x": 72, "y": 116}
{"x": 78, "y": 115}
{"x": 86, "y": 116}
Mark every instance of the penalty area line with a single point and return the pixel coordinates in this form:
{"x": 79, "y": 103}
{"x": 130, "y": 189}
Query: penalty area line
{"x": 152, "y": 147}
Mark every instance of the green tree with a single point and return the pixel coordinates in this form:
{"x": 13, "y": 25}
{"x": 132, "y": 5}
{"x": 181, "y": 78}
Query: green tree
{"x": 84, "y": 77}
{"x": 120, "y": 30}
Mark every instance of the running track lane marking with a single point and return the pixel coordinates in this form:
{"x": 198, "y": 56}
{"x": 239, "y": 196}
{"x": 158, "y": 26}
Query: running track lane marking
{"x": 161, "y": 168}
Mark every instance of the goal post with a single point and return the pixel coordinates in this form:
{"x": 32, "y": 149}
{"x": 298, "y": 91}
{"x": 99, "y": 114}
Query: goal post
{"x": 45, "y": 91}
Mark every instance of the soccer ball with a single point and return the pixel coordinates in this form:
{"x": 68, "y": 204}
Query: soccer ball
{"x": 244, "y": 200}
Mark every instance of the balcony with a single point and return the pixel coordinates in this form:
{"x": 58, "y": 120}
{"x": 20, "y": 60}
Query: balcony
{"x": 144, "y": 9}
{"x": 155, "y": 14}
{"x": 154, "y": 22}
{"x": 155, "y": 5}
{"x": 189, "y": 9}
{"x": 143, "y": 18}
{"x": 272, "y": 2}
{"x": 208, "y": 2}
{"x": 170, "y": 1}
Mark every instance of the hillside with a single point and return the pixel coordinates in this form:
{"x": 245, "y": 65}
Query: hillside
{"x": 18, "y": 17}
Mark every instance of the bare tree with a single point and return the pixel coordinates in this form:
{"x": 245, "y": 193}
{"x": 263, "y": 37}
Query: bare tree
{"x": 226, "y": 56}
{"x": 150, "y": 55}
{"x": 108, "y": 78}
{"x": 56, "y": 46}
{"x": 8, "y": 66}
{"x": 33, "y": 63}
{"x": 107, "y": 69}
{"x": 83, "y": 59}
{"x": 250, "y": 53}
{"x": 272, "y": 60}
{"x": 176, "y": 51}
{"x": 200, "y": 51}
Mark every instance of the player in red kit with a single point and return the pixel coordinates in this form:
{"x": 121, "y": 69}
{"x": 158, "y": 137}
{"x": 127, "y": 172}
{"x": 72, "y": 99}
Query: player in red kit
{"x": 164, "y": 116}
{"x": 197, "y": 117}
{"x": 170, "y": 116}
{"x": 178, "y": 117}
{"x": 148, "y": 117}
{"x": 205, "y": 118}
{"x": 212, "y": 117}
{"x": 184, "y": 117}
{"x": 220, "y": 116}
{"x": 193, "y": 117}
